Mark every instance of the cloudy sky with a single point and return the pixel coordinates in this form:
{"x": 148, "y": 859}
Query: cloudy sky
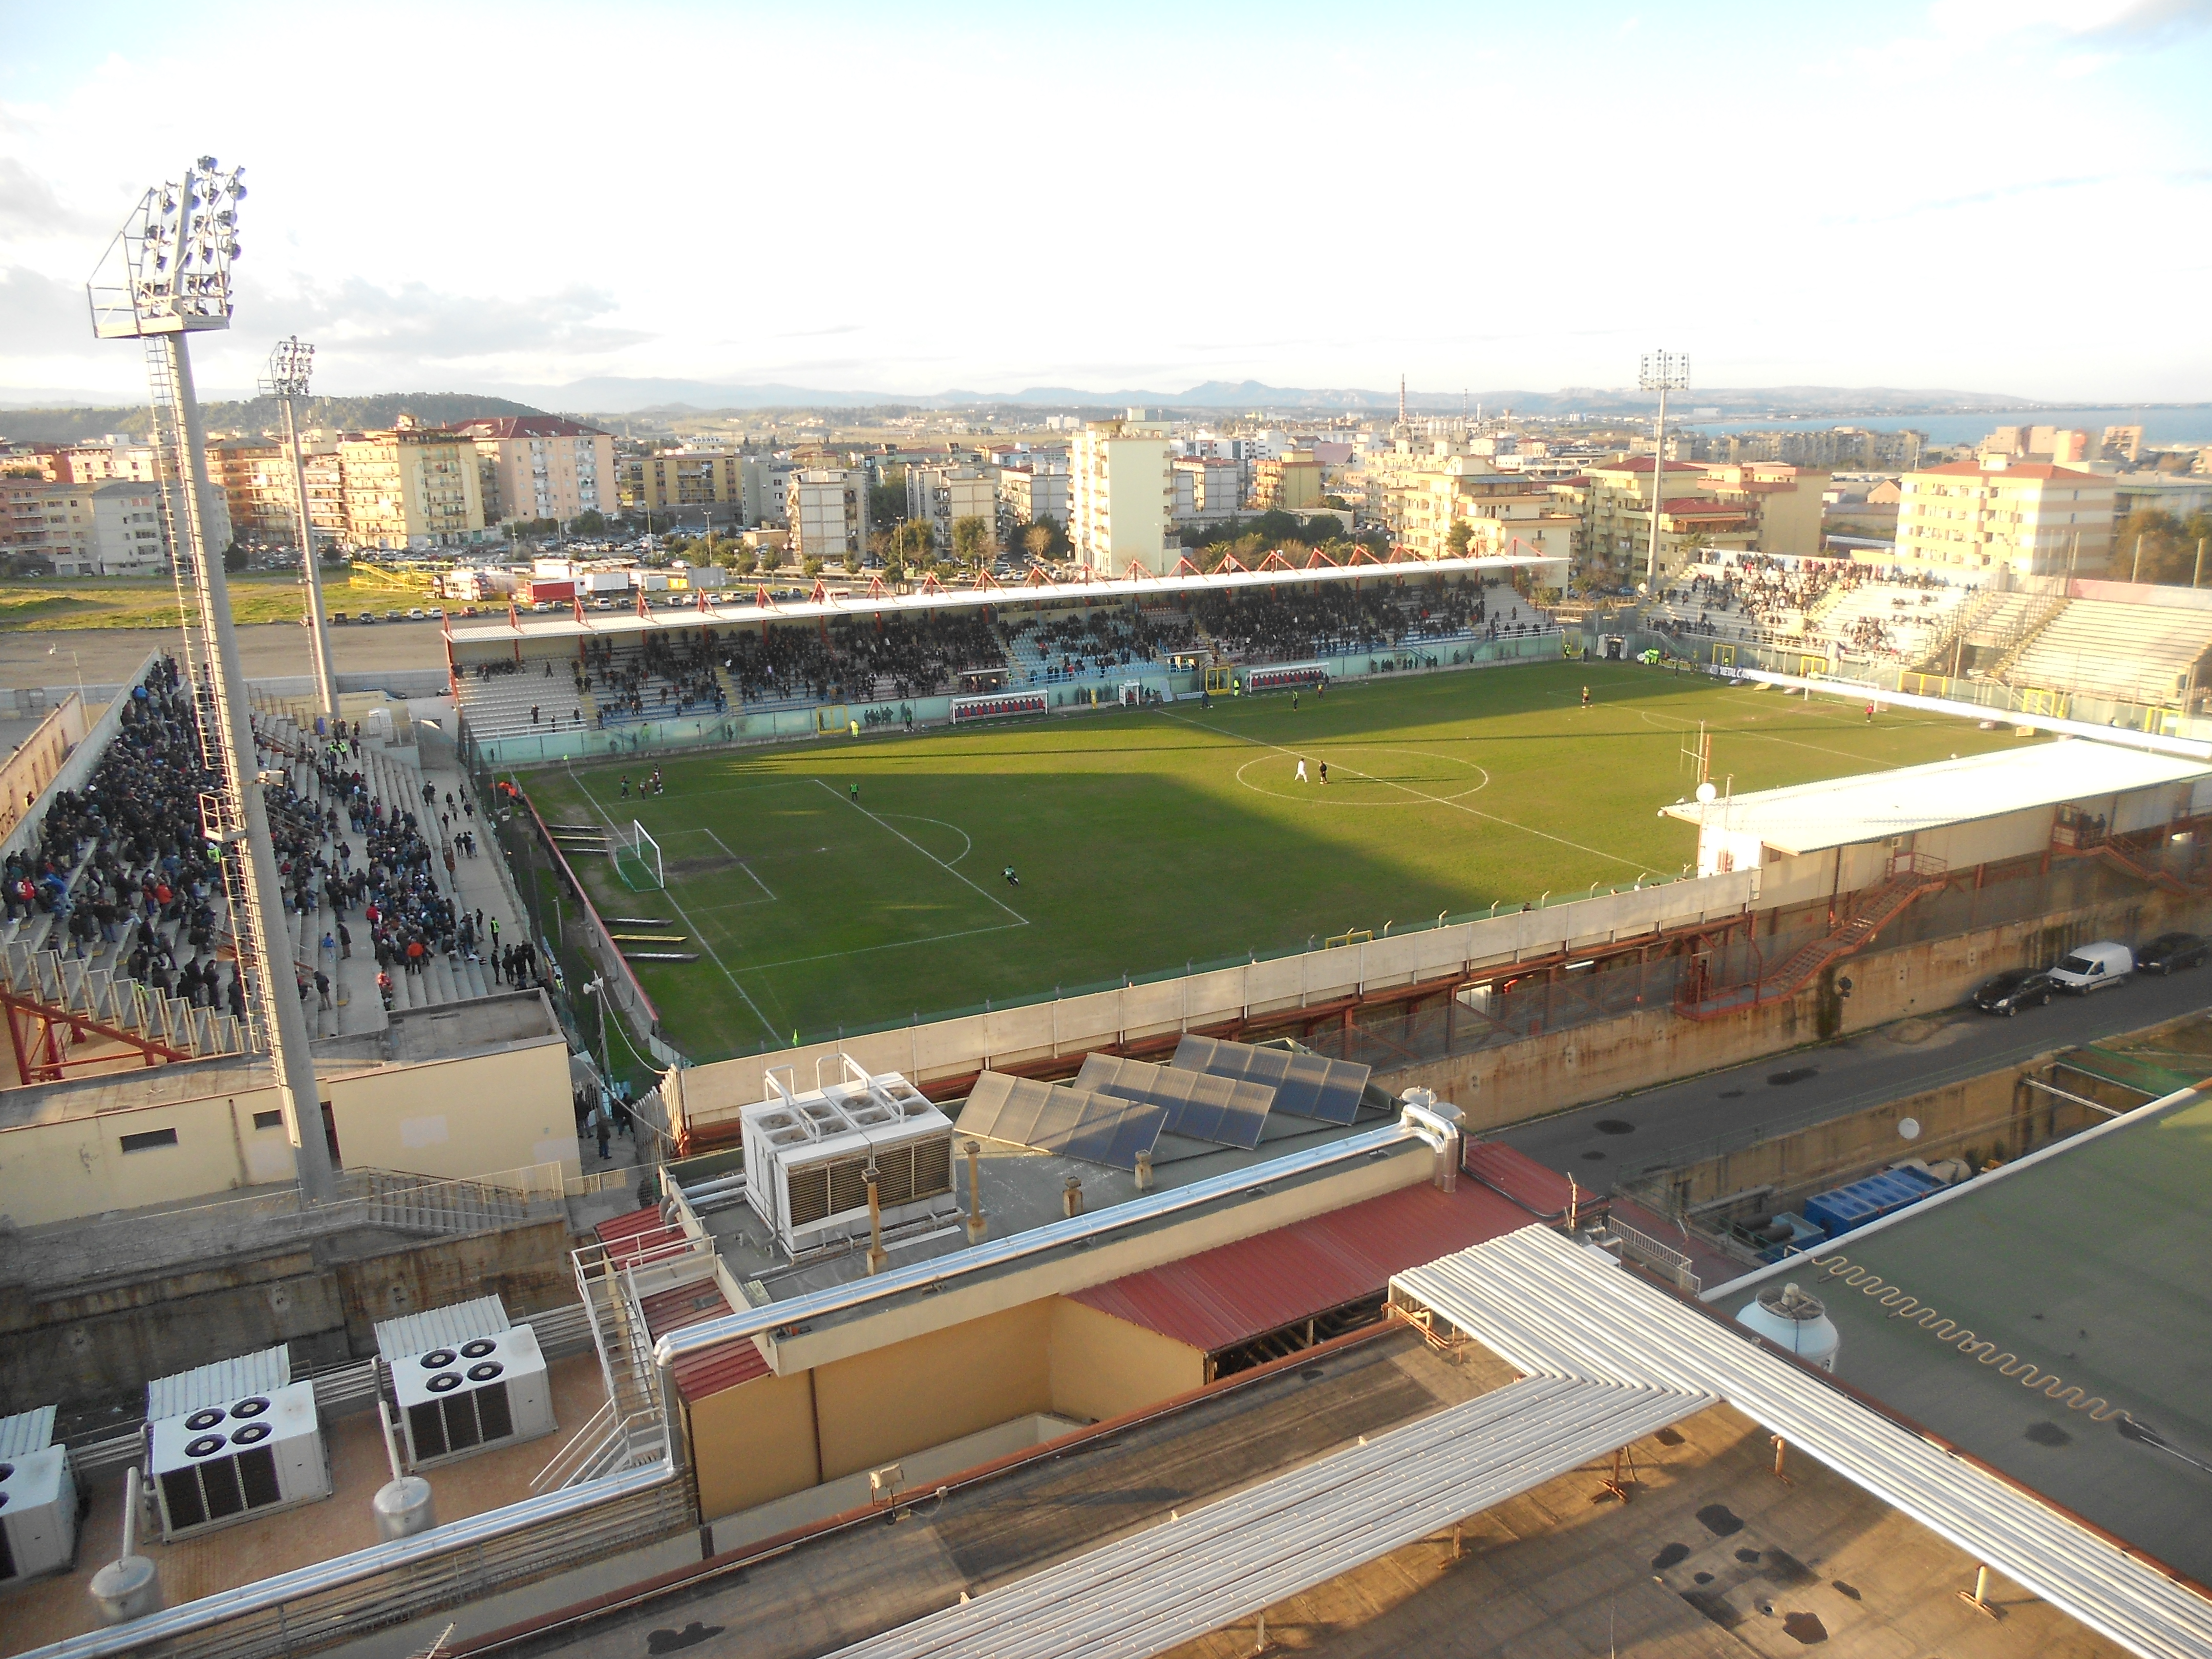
{"x": 1992, "y": 195}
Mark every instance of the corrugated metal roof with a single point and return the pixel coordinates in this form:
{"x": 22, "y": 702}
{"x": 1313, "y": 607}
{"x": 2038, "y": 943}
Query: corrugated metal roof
{"x": 28, "y": 1433}
{"x": 1552, "y": 1308}
{"x": 1222, "y": 1296}
{"x": 440, "y": 1327}
{"x": 634, "y": 1233}
{"x": 712, "y": 1369}
{"x": 1542, "y": 1191}
{"x": 219, "y": 1384}
{"x": 1811, "y": 818}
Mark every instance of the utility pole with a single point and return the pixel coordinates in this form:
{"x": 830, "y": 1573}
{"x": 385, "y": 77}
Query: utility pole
{"x": 2135, "y": 575}
{"x": 1661, "y": 372}
{"x": 290, "y": 366}
{"x": 2198, "y": 574}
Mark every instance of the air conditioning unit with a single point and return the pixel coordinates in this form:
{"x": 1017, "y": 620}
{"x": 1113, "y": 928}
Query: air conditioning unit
{"x": 808, "y": 1159}
{"x": 217, "y": 1464}
{"x": 37, "y": 1498}
{"x": 487, "y": 1392}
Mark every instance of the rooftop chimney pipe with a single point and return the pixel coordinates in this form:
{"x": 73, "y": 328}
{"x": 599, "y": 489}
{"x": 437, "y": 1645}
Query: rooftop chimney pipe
{"x": 878, "y": 1260}
{"x": 1071, "y": 1197}
{"x": 976, "y": 1227}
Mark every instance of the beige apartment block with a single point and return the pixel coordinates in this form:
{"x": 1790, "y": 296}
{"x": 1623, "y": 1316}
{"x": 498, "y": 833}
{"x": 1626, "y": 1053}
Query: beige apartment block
{"x": 668, "y": 480}
{"x": 1027, "y": 494}
{"x": 1121, "y": 494}
{"x": 412, "y": 486}
{"x": 541, "y": 466}
{"x": 941, "y": 496}
{"x": 1788, "y": 502}
{"x": 827, "y": 508}
{"x": 2034, "y": 518}
{"x": 1289, "y": 483}
{"x": 1614, "y": 500}
{"x": 1208, "y": 489}
{"x": 255, "y": 476}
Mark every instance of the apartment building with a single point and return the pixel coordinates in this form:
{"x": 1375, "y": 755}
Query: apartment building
{"x": 941, "y": 496}
{"x": 1505, "y": 516}
{"x": 1208, "y": 489}
{"x": 111, "y": 528}
{"x": 412, "y": 486}
{"x": 541, "y": 466}
{"x": 1789, "y": 503}
{"x": 827, "y": 510}
{"x": 255, "y": 476}
{"x": 2034, "y": 518}
{"x": 1120, "y": 495}
{"x": 1613, "y": 501}
{"x": 706, "y": 484}
{"x": 1288, "y": 482}
{"x": 1035, "y": 491}
{"x": 765, "y": 485}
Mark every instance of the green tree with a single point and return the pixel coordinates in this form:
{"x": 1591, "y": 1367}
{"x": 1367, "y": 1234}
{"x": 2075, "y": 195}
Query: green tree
{"x": 913, "y": 544}
{"x": 590, "y": 522}
{"x": 745, "y": 562}
{"x": 1037, "y": 540}
{"x": 1456, "y": 540}
{"x": 234, "y": 558}
{"x": 887, "y": 500}
{"x": 972, "y": 541}
{"x": 812, "y": 565}
{"x": 2169, "y": 550}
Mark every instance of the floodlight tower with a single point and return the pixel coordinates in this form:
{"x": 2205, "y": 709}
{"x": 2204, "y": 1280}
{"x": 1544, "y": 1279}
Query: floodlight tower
{"x": 1661, "y": 372}
{"x": 166, "y": 275}
{"x": 290, "y": 366}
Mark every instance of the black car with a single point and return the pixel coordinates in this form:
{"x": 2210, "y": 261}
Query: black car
{"x": 2169, "y": 953}
{"x": 2023, "y": 987}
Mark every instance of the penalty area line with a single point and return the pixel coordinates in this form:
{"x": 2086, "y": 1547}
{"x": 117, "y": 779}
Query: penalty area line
{"x": 925, "y": 852}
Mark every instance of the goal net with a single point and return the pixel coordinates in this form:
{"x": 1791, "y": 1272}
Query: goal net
{"x": 637, "y": 858}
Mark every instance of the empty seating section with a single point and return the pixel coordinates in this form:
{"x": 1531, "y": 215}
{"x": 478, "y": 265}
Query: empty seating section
{"x": 2131, "y": 652}
{"x": 499, "y": 703}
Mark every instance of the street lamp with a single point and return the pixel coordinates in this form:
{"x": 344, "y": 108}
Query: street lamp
{"x": 1661, "y": 372}
{"x": 596, "y": 988}
{"x": 290, "y": 366}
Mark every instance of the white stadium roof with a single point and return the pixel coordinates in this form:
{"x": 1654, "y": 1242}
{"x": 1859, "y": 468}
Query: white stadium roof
{"x": 1811, "y": 818}
{"x": 734, "y": 606}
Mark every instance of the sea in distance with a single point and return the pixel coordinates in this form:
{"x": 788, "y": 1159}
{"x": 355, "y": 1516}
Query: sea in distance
{"x": 2182, "y": 424}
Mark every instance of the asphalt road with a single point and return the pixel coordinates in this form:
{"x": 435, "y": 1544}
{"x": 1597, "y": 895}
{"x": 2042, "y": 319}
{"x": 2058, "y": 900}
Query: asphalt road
{"x": 269, "y": 650}
{"x": 1631, "y": 1135}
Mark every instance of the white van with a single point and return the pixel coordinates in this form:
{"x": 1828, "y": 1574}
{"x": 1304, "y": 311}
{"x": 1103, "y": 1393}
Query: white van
{"x": 2093, "y": 966}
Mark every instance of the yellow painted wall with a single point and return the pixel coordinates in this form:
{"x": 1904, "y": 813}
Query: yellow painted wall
{"x": 1103, "y": 1367}
{"x": 460, "y": 1117}
{"x": 450, "y": 1119}
{"x": 753, "y": 1443}
{"x": 875, "y": 1408}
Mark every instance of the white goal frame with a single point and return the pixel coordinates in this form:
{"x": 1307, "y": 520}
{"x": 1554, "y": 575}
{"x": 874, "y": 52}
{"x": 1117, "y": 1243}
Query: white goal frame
{"x": 641, "y": 847}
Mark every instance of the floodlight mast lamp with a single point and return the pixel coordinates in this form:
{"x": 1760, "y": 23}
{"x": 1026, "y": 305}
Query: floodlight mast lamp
{"x": 165, "y": 276}
{"x": 1661, "y": 372}
{"x": 290, "y": 366}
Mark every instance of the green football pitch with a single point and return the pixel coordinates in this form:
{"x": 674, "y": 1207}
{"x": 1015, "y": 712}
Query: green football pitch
{"x": 1145, "y": 840}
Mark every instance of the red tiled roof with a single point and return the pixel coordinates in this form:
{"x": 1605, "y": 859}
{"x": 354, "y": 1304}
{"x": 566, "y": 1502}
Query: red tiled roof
{"x": 1703, "y": 507}
{"x": 712, "y": 1370}
{"x": 2039, "y": 472}
{"x": 1222, "y": 1296}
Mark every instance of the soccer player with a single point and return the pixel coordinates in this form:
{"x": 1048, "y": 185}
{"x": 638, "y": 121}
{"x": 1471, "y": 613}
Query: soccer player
{"x": 1324, "y": 774}
{"x": 1301, "y": 768}
{"x": 856, "y": 794}
{"x": 1013, "y": 880}
{"x": 1586, "y": 696}
{"x": 625, "y": 786}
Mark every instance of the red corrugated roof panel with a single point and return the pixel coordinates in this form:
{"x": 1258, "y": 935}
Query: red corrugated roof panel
{"x": 634, "y": 1233}
{"x": 720, "y": 1367}
{"x": 1222, "y": 1296}
{"x": 1532, "y": 1185}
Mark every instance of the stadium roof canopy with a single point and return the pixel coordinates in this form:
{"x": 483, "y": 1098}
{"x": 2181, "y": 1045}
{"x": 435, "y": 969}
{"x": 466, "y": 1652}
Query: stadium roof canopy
{"x": 725, "y": 608}
{"x": 1812, "y": 818}
{"x": 2048, "y": 1319}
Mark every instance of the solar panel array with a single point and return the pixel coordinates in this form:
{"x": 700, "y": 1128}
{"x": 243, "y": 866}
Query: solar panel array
{"x": 1098, "y": 1128}
{"x": 1204, "y": 1107}
{"x": 1305, "y": 1085}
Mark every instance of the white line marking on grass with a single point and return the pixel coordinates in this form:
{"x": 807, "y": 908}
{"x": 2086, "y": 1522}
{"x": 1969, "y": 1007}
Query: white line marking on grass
{"x": 926, "y": 854}
{"x": 894, "y": 945}
{"x": 1680, "y": 725}
{"x": 735, "y": 860}
{"x": 713, "y": 955}
{"x": 1438, "y": 800}
{"x": 967, "y": 843}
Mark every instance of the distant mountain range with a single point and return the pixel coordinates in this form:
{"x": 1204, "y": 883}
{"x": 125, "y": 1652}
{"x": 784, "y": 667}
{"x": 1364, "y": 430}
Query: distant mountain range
{"x": 616, "y": 395}
{"x": 59, "y": 417}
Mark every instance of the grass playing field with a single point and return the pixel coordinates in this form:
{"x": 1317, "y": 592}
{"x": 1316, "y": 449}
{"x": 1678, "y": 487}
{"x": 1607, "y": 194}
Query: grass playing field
{"x": 1144, "y": 839}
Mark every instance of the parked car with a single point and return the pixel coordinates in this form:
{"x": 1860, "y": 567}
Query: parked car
{"x": 2169, "y": 953}
{"x": 2009, "y": 993}
{"x": 336, "y": 617}
{"x": 394, "y": 616}
{"x": 436, "y": 613}
{"x": 2093, "y": 966}
{"x": 367, "y": 617}
{"x": 418, "y": 614}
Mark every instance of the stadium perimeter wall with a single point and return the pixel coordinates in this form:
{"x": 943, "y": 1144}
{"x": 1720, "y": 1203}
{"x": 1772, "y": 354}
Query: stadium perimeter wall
{"x": 1514, "y": 1082}
{"x": 703, "y": 1096}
